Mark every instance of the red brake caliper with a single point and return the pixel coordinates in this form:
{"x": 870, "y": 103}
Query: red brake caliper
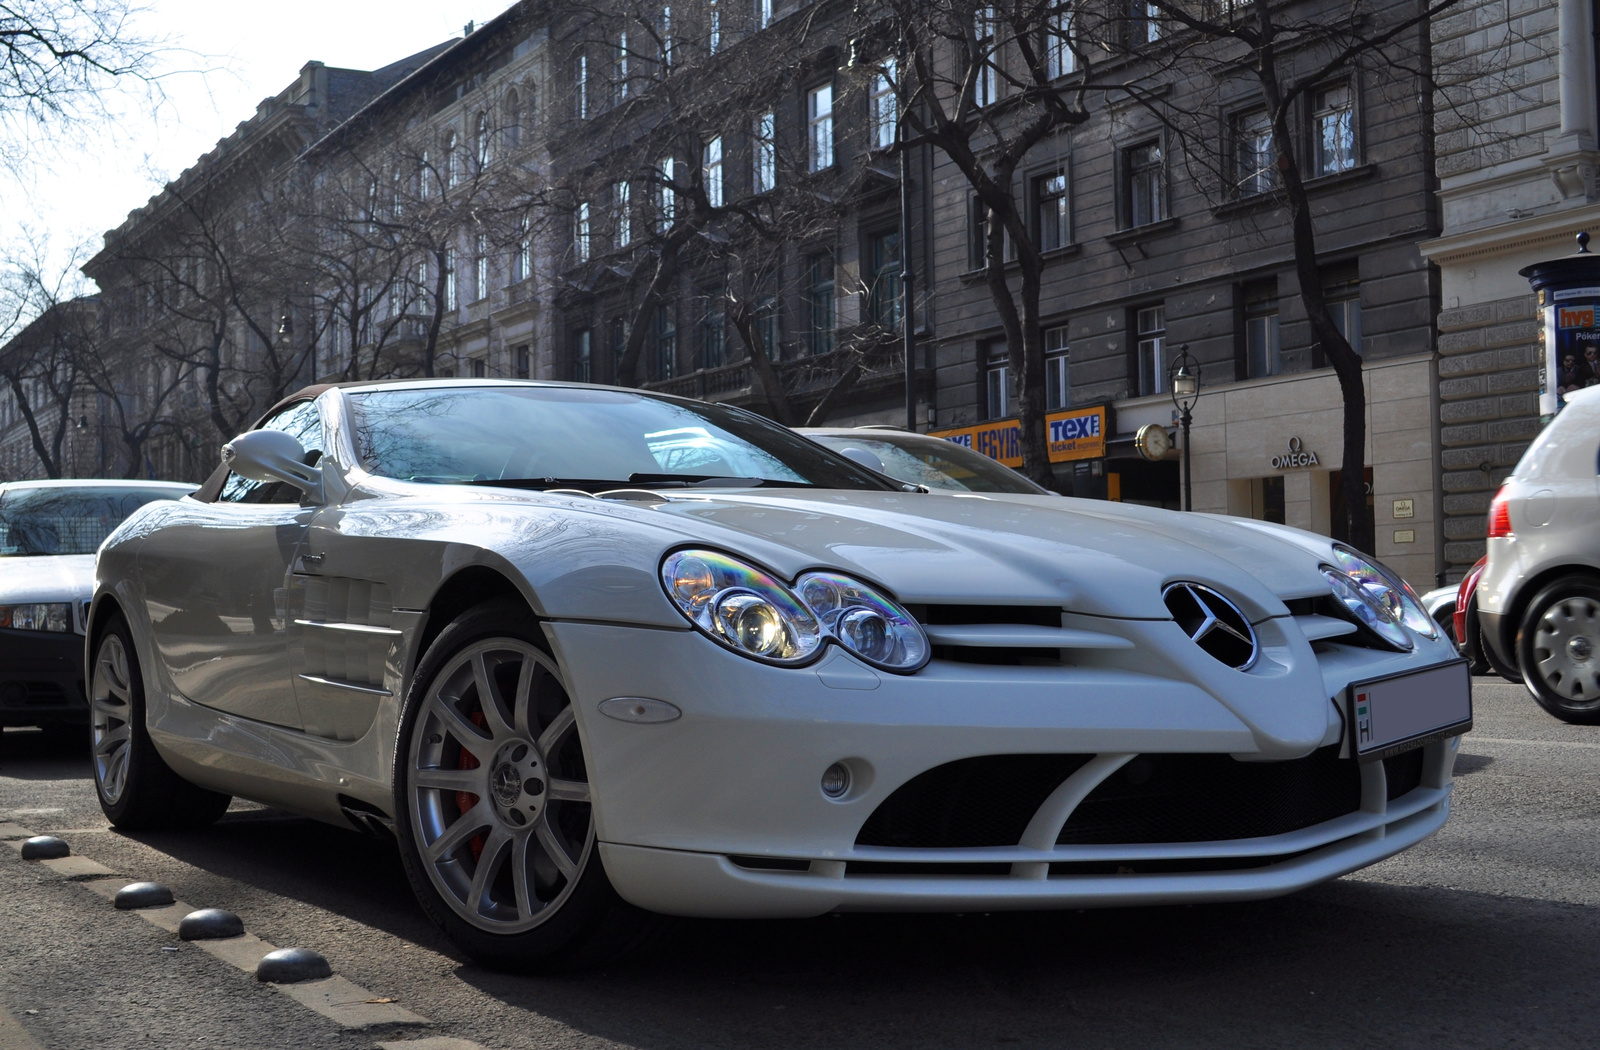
{"x": 465, "y": 800}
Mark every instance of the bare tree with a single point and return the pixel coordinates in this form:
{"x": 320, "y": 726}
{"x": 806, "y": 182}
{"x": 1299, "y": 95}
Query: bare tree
{"x": 52, "y": 330}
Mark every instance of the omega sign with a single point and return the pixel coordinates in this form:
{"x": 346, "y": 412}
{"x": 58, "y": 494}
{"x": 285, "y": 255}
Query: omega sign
{"x": 1295, "y": 457}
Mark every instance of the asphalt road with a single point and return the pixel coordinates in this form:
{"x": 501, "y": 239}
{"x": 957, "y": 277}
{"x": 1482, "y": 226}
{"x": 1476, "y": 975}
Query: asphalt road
{"x": 1486, "y": 935}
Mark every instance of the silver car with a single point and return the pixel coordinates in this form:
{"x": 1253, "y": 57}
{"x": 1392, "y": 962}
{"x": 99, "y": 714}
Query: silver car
{"x": 1539, "y": 597}
{"x": 594, "y": 652}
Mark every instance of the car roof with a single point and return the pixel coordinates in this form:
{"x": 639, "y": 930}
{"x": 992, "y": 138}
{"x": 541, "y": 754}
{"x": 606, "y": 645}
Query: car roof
{"x": 423, "y": 383}
{"x": 869, "y": 433}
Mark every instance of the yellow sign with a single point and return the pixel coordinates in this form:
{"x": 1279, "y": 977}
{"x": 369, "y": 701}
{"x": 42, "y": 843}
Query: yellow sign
{"x": 1076, "y": 434}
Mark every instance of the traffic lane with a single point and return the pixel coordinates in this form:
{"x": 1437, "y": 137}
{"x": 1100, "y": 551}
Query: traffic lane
{"x": 1356, "y": 961}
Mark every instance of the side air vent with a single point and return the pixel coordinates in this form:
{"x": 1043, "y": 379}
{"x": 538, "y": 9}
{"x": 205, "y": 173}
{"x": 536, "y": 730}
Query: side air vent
{"x": 1213, "y": 623}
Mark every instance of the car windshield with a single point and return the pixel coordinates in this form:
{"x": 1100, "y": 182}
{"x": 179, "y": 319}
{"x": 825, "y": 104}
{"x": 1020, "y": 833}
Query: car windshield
{"x": 585, "y": 438}
{"x": 51, "y": 520}
{"x": 933, "y": 462}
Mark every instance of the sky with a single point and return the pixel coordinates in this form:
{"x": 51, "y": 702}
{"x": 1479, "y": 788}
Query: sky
{"x": 224, "y": 58}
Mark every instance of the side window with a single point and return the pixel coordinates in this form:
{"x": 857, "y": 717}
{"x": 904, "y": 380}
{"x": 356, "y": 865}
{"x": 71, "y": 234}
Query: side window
{"x": 303, "y": 421}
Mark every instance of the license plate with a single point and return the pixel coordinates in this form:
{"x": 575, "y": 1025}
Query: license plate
{"x": 1395, "y": 714}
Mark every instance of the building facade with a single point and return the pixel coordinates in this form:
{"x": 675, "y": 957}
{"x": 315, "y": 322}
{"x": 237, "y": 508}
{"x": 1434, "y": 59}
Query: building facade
{"x": 1517, "y": 170}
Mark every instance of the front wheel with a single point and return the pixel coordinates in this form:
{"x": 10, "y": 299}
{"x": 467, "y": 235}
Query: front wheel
{"x": 136, "y": 788}
{"x": 1558, "y": 648}
{"x": 493, "y": 805}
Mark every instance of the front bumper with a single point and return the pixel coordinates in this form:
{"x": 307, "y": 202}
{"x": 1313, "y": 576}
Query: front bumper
{"x": 41, "y": 678}
{"x": 720, "y": 813}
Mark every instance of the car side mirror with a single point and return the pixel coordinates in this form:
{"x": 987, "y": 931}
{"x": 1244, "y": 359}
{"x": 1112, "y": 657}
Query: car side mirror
{"x": 863, "y": 457}
{"x": 272, "y": 455}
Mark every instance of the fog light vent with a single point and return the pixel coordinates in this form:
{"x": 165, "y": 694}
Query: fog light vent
{"x": 836, "y": 780}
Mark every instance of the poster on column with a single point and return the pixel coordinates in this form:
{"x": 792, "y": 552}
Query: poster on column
{"x": 1569, "y": 340}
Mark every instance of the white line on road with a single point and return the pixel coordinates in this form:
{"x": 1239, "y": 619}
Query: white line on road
{"x": 1473, "y": 738}
{"x": 432, "y": 1042}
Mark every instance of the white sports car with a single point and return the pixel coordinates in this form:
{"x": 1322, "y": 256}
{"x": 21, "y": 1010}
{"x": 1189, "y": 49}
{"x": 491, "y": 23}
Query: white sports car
{"x": 593, "y": 652}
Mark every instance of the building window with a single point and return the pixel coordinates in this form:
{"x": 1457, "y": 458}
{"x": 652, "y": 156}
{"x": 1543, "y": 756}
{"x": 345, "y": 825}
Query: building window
{"x": 664, "y": 31}
{"x": 485, "y": 142}
{"x": 619, "y": 344}
{"x": 1333, "y": 125}
{"x": 766, "y": 326}
{"x": 1059, "y": 58}
{"x": 819, "y": 302}
{"x": 883, "y": 251}
{"x": 1051, "y": 212}
{"x": 986, "y": 81}
{"x": 1342, "y": 292}
{"x": 1263, "y": 354}
{"x": 451, "y": 300}
{"x": 764, "y": 154}
{"x": 763, "y": 13}
{"x": 1145, "y": 186}
{"x": 713, "y": 27}
{"x": 619, "y": 71}
{"x": 452, "y": 161}
{"x": 1057, "y": 370}
{"x": 997, "y": 381}
{"x": 580, "y": 87}
{"x": 666, "y": 342}
{"x": 711, "y": 171}
{"x": 1151, "y": 324}
{"x": 713, "y": 331}
{"x": 580, "y": 232}
{"x": 480, "y": 265}
{"x": 477, "y": 367}
{"x": 522, "y": 258}
{"x": 666, "y": 197}
{"x": 512, "y": 132}
{"x": 522, "y": 361}
{"x": 1253, "y": 160}
{"x": 884, "y": 107}
{"x": 819, "y": 116}
{"x": 582, "y": 344}
{"x": 1144, "y": 23}
{"x": 425, "y": 176}
{"x": 622, "y": 214}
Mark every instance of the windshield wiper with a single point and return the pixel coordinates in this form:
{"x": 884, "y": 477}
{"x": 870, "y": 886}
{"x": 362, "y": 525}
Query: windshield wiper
{"x": 711, "y": 481}
{"x": 638, "y": 479}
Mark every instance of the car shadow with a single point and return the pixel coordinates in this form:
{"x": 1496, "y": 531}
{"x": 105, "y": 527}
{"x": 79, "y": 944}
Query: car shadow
{"x": 33, "y": 754}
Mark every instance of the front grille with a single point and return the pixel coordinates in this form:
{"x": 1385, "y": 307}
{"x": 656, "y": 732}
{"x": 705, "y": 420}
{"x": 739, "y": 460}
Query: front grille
{"x": 1212, "y": 798}
{"x": 985, "y": 801}
{"x": 1404, "y": 773}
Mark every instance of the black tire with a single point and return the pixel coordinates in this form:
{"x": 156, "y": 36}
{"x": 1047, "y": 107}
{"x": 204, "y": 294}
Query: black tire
{"x": 137, "y": 790}
{"x": 1558, "y": 648}
{"x": 563, "y": 912}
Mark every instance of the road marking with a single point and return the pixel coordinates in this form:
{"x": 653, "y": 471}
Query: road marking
{"x": 15, "y": 1037}
{"x": 432, "y": 1042}
{"x": 1473, "y": 738}
{"x": 338, "y": 999}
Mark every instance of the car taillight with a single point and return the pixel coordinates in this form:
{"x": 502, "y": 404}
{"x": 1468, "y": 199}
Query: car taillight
{"x": 1500, "y": 516}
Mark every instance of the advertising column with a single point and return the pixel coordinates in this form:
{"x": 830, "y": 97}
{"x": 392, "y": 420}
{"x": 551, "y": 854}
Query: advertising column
{"x": 1569, "y": 338}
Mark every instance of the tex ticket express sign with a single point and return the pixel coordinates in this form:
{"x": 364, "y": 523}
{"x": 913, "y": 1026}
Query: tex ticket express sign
{"x": 1076, "y": 434}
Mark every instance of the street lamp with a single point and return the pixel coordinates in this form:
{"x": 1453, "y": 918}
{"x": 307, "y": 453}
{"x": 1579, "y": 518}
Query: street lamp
{"x": 1185, "y": 385}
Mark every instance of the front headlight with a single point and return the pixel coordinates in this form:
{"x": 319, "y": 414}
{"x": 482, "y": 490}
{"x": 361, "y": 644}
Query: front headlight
{"x": 742, "y": 607}
{"x": 1386, "y": 586}
{"x": 37, "y": 616}
{"x": 1377, "y": 616}
{"x": 756, "y": 615}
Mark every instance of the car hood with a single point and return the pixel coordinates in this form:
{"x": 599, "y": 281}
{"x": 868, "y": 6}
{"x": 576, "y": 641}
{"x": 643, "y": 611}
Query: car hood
{"x": 1092, "y": 556}
{"x": 46, "y": 578}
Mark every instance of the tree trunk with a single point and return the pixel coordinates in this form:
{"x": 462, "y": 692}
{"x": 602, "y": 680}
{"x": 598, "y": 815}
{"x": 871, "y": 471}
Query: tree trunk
{"x": 830, "y": 400}
{"x": 761, "y": 363}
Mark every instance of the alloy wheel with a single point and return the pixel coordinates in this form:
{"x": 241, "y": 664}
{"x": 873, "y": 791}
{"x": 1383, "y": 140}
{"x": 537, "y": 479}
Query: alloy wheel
{"x": 110, "y": 708}
{"x": 500, "y": 802}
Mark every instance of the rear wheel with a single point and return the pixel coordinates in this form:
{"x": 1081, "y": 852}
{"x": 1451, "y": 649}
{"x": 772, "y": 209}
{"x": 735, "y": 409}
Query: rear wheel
{"x": 494, "y": 809}
{"x": 136, "y": 788}
{"x": 1558, "y": 647}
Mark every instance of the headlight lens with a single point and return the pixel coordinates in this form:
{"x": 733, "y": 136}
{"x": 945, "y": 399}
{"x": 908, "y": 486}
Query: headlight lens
{"x": 741, "y": 607}
{"x": 755, "y": 614}
{"x": 1387, "y": 587}
{"x": 865, "y": 621}
{"x": 38, "y": 616}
